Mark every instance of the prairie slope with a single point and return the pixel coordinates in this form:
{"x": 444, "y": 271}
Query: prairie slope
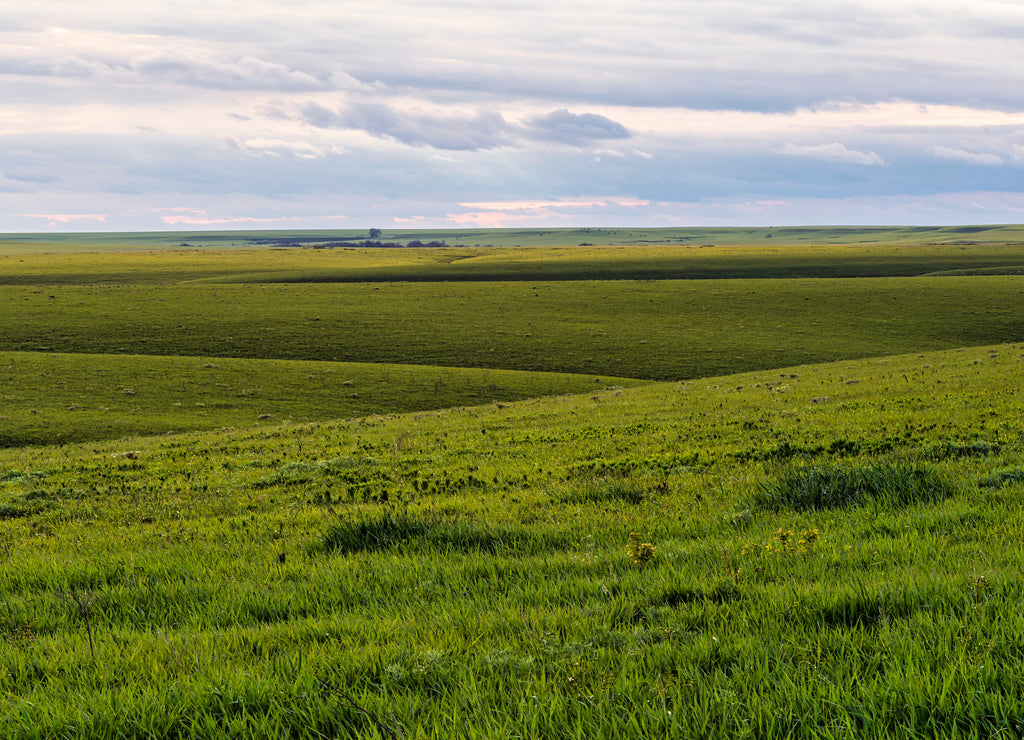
{"x": 467, "y": 572}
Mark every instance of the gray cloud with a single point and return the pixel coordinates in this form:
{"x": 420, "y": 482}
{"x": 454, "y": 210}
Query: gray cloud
{"x": 31, "y": 177}
{"x": 734, "y": 54}
{"x": 463, "y": 132}
{"x": 482, "y": 130}
{"x": 571, "y": 128}
{"x": 246, "y": 73}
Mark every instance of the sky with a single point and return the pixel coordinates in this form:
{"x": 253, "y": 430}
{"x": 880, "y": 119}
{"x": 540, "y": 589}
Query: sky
{"x": 307, "y": 114}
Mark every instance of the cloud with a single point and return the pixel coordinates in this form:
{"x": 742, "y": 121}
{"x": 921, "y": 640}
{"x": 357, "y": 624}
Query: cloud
{"x": 31, "y": 177}
{"x": 504, "y": 213}
{"x": 63, "y": 219}
{"x": 455, "y": 131}
{"x": 279, "y": 147}
{"x": 579, "y": 202}
{"x": 247, "y": 73}
{"x": 962, "y": 155}
{"x": 198, "y": 217}
{"x": 571, "y": 128}
{"x": 768, "y": 55}
{"x": 513, "y": 109}
{"x": 463, "y": 131}
{"x": 833, "y": 152}
{"x": 197, "y": 68}
{"x": 490, "y": 219}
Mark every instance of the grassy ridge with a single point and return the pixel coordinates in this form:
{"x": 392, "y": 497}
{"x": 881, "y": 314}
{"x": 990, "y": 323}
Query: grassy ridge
{"x": 655, "y": 330}
{"x": 59, "y": 399}
{"x": 503, "y": 593}
{"x": 124, "y": 242}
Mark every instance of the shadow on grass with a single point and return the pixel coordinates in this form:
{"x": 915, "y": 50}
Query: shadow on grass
{"x": 386, "y": 530}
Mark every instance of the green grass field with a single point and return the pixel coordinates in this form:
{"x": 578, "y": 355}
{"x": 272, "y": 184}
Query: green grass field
{"x": 381, "y": 509}
{"x": 665, "y": 330}
{"x": 63, "y": 398}
{"x": 156, "y": 265}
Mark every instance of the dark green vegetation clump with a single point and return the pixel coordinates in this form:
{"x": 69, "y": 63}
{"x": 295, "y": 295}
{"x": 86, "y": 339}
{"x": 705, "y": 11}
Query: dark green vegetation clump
{"x": 387, "y": 530}
{"x": 253, "y": 527}
{"x": 1003, "y": 477}
{"x": 835, "y": 486}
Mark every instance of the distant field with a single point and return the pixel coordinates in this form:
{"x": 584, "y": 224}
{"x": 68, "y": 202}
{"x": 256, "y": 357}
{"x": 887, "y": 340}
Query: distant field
{"x": 655, "y": 330}
{"x": 352, "y": 265}
{"x": 98, "y": 241}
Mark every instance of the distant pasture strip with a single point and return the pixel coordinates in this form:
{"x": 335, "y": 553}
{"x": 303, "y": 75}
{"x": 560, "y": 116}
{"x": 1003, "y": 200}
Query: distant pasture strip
{"x": 661, "y": 330}
{"x": 635, "y": 262}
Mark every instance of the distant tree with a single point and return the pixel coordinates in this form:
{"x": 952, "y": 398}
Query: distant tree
{"x": 375, "y": 233}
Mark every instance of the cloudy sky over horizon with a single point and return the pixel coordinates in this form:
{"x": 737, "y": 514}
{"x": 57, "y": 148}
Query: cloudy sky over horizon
{"x": 398, "y": 114}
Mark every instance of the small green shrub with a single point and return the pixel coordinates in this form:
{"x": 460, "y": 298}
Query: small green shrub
{"x": 837, "y": 486}
{"x": 641, "y": 553}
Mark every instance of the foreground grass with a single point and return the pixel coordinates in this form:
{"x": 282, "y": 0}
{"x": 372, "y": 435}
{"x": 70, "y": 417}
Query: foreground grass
{"x": 59, "y": 398}
{"x": 469, "y": 573}
{"x": 663, "y": 330}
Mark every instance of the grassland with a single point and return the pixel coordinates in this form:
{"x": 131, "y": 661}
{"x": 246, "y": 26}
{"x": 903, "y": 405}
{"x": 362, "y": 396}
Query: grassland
{"x": 63, "y": 398}
{"x": 358, "y": 265}
{"x": 488, "y": 591}
{"x": 813, "y": 529}
{"x": 665, "y": 330}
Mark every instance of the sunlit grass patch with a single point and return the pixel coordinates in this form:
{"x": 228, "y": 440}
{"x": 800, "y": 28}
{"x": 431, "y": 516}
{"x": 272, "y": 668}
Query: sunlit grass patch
{"x": 836, "y": 486}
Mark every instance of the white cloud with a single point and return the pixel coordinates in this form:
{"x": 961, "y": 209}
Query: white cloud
{"x": 962, "y": 155}
{"x": 277, "y": 147}
{"x": 579, "y": 202}
{"x": 835, "y": 152}
{"x": 63, "y": 219}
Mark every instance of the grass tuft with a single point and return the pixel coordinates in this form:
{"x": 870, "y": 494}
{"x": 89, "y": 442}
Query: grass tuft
{"x": 1003, "y": 477}
{"x": 840, "y": 485}
{"x": 594, "y": 490}
{"x": 386, "y": 530}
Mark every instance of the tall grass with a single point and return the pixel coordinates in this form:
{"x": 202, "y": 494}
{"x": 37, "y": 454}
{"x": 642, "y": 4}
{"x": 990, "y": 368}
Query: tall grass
{"x": 838, "y": 485}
